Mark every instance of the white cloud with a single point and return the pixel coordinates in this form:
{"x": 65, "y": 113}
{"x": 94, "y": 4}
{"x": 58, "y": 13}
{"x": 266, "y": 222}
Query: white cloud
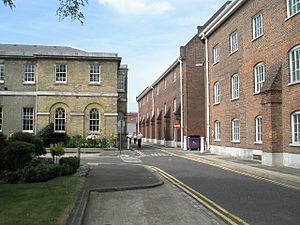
{"x": 138, "y": 7}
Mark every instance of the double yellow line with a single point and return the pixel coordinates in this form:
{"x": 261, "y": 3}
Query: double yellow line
{"x": 209, "y": 204}
{"x": 140, "y": 153}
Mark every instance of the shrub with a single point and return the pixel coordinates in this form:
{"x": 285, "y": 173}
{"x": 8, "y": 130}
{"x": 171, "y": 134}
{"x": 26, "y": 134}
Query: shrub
{"x": 79, "y": 141}
{"x": 73, "y": 162}
{"x": 50, "y": 137}
{"x": 30, "y": 138}
{"x": 29, "y": 174}
{"x": 76, "y": 141}
{"x": 17, "y": 155}
{"x": 3, "y": 140}
{"x": 66, "y": 169}
{"x": 57, "y": 151}
{"x": 13, "y": 177}
{"x": 41, "y": 173}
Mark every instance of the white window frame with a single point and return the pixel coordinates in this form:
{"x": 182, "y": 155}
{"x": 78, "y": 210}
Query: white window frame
{"x": 157, "y": 111}
{"x": 61, "y": 73}
{"x": 157, "y": 90}
{"x": 257, "y": 26}
{"x": 28, "y": 119}
{"x": 295, "y": 123}
{"x": 2, "y": 71}
{"x": 60, "y": 120}
{"x": 29, "y": 74}
{"x": 174, "y": 76}
{"x": 165, "y": 83}
{"x": 217, "y": 93}
{"x": 165, "y": 109}
{"x": 293, "y": 7}
{"x": 259, "y": 77}
{"x": 294, "y": 58}
{"x": 95, "y": 74}
{"x": 235, "y": 130}
{"x": 235, "y": 86}
{"x": 258, "y": 129}
{"x": 217, "y": 130}
{"x": 1, "y": 118}
{"x": 94, "y": 121}
{"x": 216, "y": 54}
{"x": 234, "y": 46}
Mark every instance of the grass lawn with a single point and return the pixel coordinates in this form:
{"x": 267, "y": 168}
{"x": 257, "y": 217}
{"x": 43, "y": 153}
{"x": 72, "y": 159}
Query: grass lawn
{"x": 47, "y": 203}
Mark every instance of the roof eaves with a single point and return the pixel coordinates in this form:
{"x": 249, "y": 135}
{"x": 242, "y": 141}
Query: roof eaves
{"x": 230, "y": 8}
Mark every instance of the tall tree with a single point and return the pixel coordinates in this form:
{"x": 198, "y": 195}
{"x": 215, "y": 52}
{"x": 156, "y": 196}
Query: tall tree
{"x": 67, "y": 8}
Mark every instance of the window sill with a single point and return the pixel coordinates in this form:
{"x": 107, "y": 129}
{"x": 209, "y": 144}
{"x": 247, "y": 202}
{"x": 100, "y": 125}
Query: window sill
{"x": 294, "y": 144}
{"x": 1, "y": 81}
{"x": 289, "y": 17}
{"x": 256, "y": 93}
{"x": 61, "y": 82}
{"x": 215, "y": 63}
{"x": 255, "y": 38}
{"x": 236, "y": 142}
{"x": 294, "y": 83}
{"x": 28, "y": 83}
{"x": 94, "y": 84}
{"x": 231, "y": 53}
{"x": 94, "y": 132}
{"x": 234, "y": 99}
{"x": 121, "y": 90}
{"x": 258, "y": 142}
{"x": 217, "y": 103}
{"x": 28, "y": 131}
{"x": 60, "y": 131}
{"x": 217, "y": 140}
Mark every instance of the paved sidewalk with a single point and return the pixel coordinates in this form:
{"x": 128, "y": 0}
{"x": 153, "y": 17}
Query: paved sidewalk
{"x": 285, "y": 176}
{"x": 118, "y": 193}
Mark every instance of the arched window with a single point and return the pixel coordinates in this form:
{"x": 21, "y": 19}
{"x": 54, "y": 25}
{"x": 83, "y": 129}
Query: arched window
{"x": 259, "y": 77}
{"x": 258, "y": 129}
{"x": 235, "y": 129}
{"x": 217, "y": 93}
{"x": 294, "y": 58}
{"x": 217, "y": 131}
{"x": 60, "y": 120}
{"x": 296, "y": 127}
{"x": 94, "y": 121}
{"x": 235, "y": 86}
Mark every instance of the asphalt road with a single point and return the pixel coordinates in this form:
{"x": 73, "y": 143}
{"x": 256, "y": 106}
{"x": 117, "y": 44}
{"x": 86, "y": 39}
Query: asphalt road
{"x": 255, "y": 201}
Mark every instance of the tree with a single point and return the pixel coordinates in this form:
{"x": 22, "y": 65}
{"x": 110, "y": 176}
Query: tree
{"x": 67, "y": 8}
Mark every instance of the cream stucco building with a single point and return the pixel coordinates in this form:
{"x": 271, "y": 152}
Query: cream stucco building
{"x": 81, "y": 92}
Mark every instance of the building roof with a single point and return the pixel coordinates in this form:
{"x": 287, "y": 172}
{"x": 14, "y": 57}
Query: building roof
{"x": 19, "y": 50}
{"x": 221, "y": 16}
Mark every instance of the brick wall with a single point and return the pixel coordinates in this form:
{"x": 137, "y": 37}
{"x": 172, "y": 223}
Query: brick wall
{"x": 278, "y": 99}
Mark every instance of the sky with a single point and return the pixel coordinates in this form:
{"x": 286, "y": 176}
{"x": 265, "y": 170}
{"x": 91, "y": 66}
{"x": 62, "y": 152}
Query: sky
{"x": 147, "y": 34}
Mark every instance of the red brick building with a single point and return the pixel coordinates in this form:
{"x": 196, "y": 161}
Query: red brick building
{"x": 176, "y": 99}
{"x": 253, "y": 61}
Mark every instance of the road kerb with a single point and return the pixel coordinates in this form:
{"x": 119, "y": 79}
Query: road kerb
{"x": 235, "y": 170}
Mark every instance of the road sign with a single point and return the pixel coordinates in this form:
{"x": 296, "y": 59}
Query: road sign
{"x": 176, "y": 125}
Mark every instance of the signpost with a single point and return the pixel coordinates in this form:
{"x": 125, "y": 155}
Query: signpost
{"x": 176, "y": 125}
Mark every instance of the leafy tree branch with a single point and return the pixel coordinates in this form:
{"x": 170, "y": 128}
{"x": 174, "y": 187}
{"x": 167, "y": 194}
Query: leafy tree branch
{"x": 67, "y": 8}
